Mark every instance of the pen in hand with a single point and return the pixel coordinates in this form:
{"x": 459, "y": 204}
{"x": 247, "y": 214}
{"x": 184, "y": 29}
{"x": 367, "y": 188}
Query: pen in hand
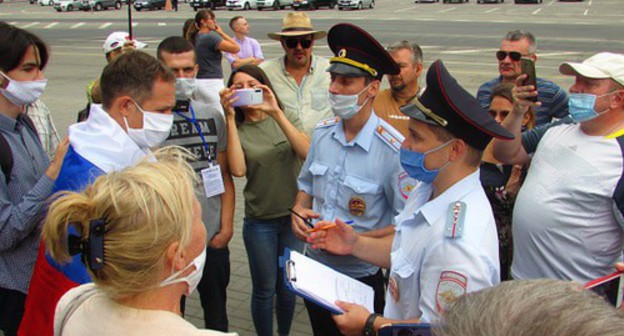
{"x": 305, "y": 220}
{"x": 327, "y": 227}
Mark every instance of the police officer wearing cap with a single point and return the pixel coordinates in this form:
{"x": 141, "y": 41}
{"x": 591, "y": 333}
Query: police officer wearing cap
{"x": 352, "y": 170}
{"x": 445, "y": 243}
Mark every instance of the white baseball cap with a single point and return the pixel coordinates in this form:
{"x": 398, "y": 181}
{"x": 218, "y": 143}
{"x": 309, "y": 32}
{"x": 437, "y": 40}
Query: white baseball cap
{"x": 117, "y": 39}
{"x": 600, "y": 66}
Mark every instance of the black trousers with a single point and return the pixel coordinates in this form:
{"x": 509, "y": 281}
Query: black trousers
{"x": 213, "y": 288}
{"x": 11, "y": 310}
{"x": 321, "y": 318}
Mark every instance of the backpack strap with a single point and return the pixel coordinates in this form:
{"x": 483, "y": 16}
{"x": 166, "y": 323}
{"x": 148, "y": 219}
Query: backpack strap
{"x": 6, "y": 159}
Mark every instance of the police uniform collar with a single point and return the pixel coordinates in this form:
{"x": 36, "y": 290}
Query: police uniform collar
{"x": 433, "y": 210}
{"x": 364, "y": 138}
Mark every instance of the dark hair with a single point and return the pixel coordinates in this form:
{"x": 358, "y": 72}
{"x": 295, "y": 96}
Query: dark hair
{"x": 132, "y": 73}
{"x": 14, "y": 43}
{"x": 503, "y": 91}
{"x": 192, "y": 31}
{"x": 174, "y": 45}
{"x": 257, "y": 73}
{"x": 188, "y": 24}
{"x": 233, "y": 20}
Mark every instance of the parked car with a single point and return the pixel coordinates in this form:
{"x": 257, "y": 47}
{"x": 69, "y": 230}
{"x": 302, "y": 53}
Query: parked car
{"x": 314, "y": 4}
{"x": 490, "y": 1}
{"x": 46, "y": 2}
{"x": 275, "y": 4}
{"x": 212, "y": 4}
{"x": 66, "y": 5}
{"x": 359, "y": 4}
{"x": 149, "y": 4}
{"x": 98, "y": 5}
{"x": 527, "y": 1}
{"x": 240, "y": 4}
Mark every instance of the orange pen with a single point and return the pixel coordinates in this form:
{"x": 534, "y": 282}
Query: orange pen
{"x": 327, "y": 227}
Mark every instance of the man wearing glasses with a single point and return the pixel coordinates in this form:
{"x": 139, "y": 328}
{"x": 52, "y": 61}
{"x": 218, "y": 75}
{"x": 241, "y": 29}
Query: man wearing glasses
{"x": 517, "y": 44}
{"x": 299, "y": 78}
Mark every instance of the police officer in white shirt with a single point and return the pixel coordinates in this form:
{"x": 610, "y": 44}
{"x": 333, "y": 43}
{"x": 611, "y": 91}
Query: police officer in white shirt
{"x": 445, "y": 243}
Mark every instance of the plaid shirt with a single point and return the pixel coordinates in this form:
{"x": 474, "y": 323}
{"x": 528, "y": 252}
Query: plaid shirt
{"x": 40, "y": 115}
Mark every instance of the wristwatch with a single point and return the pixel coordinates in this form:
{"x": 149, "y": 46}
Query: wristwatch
{"x": 369, "y": 326}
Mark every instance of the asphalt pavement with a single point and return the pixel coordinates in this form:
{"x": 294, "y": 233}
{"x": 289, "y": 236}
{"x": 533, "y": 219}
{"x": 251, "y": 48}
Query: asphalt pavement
{"x": 465, "y": 36}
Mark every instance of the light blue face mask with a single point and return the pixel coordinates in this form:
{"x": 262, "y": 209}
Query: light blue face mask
{"x": 581, "y": 106}
{"x": 346, "y": 106}
{"x": 414, "y": 164}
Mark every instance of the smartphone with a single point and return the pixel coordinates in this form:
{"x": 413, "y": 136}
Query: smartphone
{"x": 406, "y": 329}
{"x": 528, "y": 68}
{"x": 610, "y": 287}
{"x": 247, "y": 97}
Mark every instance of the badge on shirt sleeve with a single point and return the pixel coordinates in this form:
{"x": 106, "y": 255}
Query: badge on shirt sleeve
{"x": 357, "y": 206}
{"x": 451, "y": 286}
{"x": 393, "y": 288}
{"x": 406, "y": 184}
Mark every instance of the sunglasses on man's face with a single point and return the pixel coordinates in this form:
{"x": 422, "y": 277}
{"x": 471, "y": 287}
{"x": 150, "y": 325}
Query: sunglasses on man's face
{"x": 514, "y": 55}
{"x": 293, "y": 42}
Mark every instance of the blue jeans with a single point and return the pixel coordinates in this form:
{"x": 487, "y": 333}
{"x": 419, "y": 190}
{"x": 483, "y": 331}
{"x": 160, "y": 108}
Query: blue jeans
{"x": 265, "y": 240}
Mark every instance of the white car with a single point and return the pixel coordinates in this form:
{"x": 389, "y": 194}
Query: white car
{"x": 46, "y": 2}
{"x": 240, "y": 4}
{"x": 356, "y": 4}
{"x": 275, "y": 4}
{"x": 66, "y": 5}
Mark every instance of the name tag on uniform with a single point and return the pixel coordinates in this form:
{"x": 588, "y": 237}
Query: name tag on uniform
{"x": 213, "y": 181}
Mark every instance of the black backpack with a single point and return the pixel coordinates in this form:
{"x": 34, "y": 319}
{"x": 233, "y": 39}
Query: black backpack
{"x": 6, "y": 155}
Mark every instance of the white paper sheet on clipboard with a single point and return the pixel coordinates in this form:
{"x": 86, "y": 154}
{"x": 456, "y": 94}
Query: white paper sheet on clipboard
{"x": 316, "y": 282}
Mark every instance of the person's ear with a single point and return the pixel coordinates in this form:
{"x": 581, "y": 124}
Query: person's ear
{"x": 125, "y": 105}
{"x": 458, "y": 150}
{"x": 175, "y": 256}
{"x": 373, "y": 89}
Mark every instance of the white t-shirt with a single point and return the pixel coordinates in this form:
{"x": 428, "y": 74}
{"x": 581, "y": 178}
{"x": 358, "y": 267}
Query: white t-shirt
{"x": 98, "y": 315}
{"x": 563, "y": 222}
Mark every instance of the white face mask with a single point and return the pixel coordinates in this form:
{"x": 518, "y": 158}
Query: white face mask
{"x": 346, "y": 106}
{"x": 193, "y": 278}
{"x": 184, "y": 88}
{"x": 156, "y": 129}
{"x": 22, "y": 93}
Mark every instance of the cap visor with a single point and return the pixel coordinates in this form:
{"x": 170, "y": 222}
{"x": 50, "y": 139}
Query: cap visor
{"x": 414, "y": 111}
{"x": 573, "y": 69}
{"x": 346, "y": 70}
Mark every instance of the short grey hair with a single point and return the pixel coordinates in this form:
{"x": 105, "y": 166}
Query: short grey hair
{"x": 532, "y": 307}
{"x": 413, "y": 47}
{"x": 517, "y": 35}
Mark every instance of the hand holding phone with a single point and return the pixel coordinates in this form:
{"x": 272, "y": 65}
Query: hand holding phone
{"x": 247, "y": 97}
{"x": 528, "y": 68}
{"x": 610, "y": 287}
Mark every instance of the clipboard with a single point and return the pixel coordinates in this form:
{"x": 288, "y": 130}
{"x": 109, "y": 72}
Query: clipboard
{"x": 321, "y": 284}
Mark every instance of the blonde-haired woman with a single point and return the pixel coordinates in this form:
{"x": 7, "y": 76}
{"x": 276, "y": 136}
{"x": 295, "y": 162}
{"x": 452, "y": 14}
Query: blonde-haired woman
{"x": 144, "y": 244}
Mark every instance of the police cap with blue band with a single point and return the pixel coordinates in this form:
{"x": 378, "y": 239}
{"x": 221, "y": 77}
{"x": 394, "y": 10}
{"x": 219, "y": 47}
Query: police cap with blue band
{"x": 358, "y": 54}
{"x": 445, "y": 103}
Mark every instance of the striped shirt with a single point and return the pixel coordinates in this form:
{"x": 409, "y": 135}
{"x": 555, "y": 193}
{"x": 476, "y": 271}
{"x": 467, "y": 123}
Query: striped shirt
{"x": 554, "y": 100}
{"x": 21, "y": 204}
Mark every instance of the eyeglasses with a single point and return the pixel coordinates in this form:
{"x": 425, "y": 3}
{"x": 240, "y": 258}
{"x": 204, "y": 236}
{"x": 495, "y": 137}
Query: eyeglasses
{"x": 514, "y": 55}
{"x": 293, "y": 42}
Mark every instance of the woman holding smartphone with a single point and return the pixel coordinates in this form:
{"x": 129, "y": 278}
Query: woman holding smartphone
{"x": 267, "y": 145}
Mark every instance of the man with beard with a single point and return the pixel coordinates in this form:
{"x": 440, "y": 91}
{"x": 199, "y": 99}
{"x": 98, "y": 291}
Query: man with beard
{"x": 404, "y": 87}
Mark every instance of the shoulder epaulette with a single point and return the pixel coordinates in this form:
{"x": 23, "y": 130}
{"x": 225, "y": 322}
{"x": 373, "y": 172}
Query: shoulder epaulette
{"x": 455, "y": 216}
{"x": 327, "y": 122}
{"x": 389, "y": 136}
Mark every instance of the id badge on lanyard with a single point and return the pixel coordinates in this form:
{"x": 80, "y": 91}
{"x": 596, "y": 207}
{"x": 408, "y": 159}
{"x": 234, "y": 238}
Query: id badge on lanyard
{"x": 211, "y": 176}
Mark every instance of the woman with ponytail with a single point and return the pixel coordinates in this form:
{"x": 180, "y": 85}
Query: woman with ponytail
{"x": 143, "y": 242}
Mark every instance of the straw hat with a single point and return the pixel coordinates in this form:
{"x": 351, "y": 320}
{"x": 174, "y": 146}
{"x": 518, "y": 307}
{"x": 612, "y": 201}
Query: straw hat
{"x": 297, "y": 24}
